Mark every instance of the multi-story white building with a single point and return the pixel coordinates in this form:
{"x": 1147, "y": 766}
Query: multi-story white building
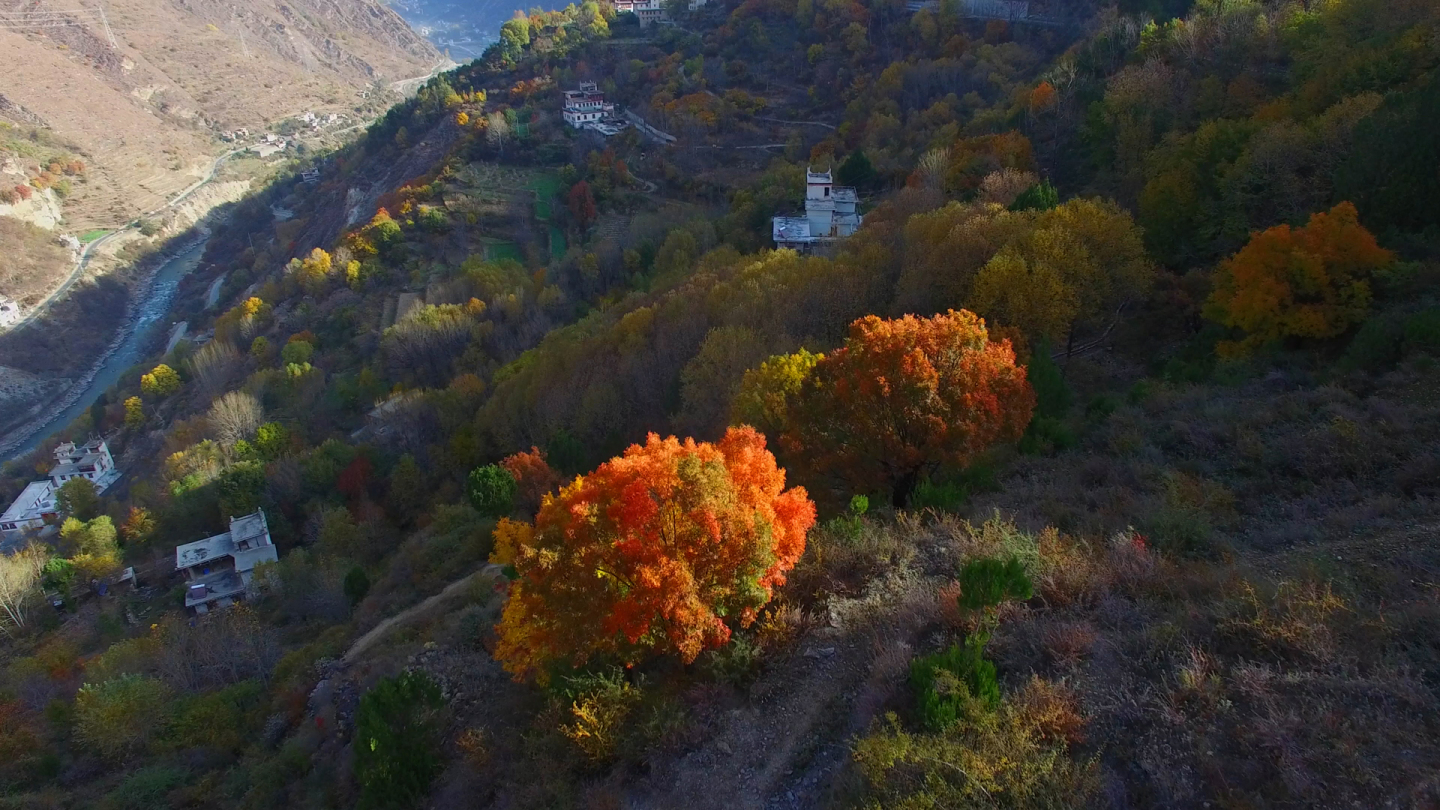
{"x": 587, "y": 108}
{"x": 91, "y": 461}
{"x": 218, "y": 569}
{"x": 586, "y": 105}
{"x": 648, "y": 11}
{"x": 830, "y": 216}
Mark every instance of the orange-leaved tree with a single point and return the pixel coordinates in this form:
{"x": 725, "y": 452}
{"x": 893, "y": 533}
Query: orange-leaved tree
{"x": 660, "y": 551}
{"x": 1310, "y": 282}
{"x": 534, "y": 478}
{"x": 904, "y": 396}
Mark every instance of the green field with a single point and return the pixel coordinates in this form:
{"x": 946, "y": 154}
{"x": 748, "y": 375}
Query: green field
{"x": 494, "y": 251}
{"x": 90, "y": 236}
{"x": 546, "y": 188}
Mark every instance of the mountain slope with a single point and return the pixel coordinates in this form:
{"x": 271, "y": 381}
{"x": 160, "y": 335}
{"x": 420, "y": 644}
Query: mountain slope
{"x": 145, "y": 112}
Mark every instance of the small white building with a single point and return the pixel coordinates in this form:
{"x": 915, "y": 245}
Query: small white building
{"x": 91, "y": 461}
{"x": 830, "y": 216}
{"x": 9, "y": 312}
{"x": 218, "y": 569}
{"x": 648, "y": 11}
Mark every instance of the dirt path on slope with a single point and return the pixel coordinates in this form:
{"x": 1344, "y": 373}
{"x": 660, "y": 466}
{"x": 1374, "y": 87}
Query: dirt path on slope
{"x": 414, "y": 612}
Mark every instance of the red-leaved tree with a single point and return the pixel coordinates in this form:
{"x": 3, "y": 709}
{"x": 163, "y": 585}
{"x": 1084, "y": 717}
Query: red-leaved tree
{"x": 534, "y": 478}
{"x": 582, "y": 204}
{"x": 659, "y": 551}
{"x": 903, "y": 396}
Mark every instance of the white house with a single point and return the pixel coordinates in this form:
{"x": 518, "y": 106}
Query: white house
{"x": 218, "y": 569}
{"x": 586, "y": 106}
{"x": 9, "y": 312}
{"x": 91, "y": 461}
{"x": 648, "y": 11}
{"x": 830, "y": 215}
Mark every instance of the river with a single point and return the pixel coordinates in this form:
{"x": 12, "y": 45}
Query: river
{"x": 152, "y": 302}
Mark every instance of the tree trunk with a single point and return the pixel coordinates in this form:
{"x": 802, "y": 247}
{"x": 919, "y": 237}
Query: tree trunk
{"x": 904, "y": 488}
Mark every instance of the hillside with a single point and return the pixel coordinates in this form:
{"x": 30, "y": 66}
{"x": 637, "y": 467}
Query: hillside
{"x": 1097, "y": 468}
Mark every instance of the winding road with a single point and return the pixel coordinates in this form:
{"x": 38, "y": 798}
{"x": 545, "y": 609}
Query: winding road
{"x": 84, "y": 259}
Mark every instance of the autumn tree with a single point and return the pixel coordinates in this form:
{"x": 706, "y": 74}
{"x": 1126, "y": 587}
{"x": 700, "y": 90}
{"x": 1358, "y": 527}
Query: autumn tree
{"x": 235, "y": 416}
{"x": 534, "y": 478}
{"x": 118, "y": 717}
{"x": 582, "y": 204}
{"x": 92, "y": 545}
{"x": 425, "y": 344}
{"x": 162, "y": 381}
{"x": 660, "y": 551}
{"x": 138, "y": 525}
{"x": 134, "y": 413}
{"x": 904, "y": 396}
{"x": 78, "y": 498}
{"x": 19, "y": 587}
{"x": 1309, "y": 282}
{"x": 767, "y": 391}
{"x": 313, "y": 271}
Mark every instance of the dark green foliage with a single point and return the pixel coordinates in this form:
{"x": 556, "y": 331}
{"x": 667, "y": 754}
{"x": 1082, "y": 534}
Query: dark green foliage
{"x": 951, "y": 493}
{"x": 397, "y": 740}
{"x": 1377, "y": 346}
{"x": 955, "y": 684}
{"x": 987, "y": 582}
{"x": 849, "y": 525}
{"x": 1422, "y": 332}
{"x": 357, "y": 584}
{"x": 241, "y": 488}
{"x": 1157, "y": 9}
{"x": 77, "y": 498}
{"x": 1046, "y": 435}
{"x": 1393, "y": 171}
{"x": 1040, "y": 197}
{"x": 856, "y": 170}
{"x": 145, "y": 789}
{"x": 491, "y": 490}
{"x": 1052, "y": 395}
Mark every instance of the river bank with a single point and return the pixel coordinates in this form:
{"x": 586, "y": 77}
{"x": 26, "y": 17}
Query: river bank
{"x": 150, "y": 302}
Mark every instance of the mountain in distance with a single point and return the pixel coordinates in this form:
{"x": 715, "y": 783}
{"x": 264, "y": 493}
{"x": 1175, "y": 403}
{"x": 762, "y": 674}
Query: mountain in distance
{"x": 462, "y": 29}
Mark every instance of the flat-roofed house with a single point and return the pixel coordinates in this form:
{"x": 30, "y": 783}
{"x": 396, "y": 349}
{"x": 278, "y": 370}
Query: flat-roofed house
{"x": 830, "y": 215}
{"x": 218, "y": 569}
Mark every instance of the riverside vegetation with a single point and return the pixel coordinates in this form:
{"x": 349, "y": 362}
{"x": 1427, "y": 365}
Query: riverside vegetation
{"x": 1099, "y": 468}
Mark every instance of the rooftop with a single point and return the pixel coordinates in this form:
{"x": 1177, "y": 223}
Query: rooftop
{"x": 35, "y": 494}
{"x": 214, "y": 586}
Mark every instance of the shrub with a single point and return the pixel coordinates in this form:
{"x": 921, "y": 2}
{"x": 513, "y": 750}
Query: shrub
{"x": 1040, "y": 197}
{"x": 297, "y": 352}
{"x": 988, "y": 581}
{"x": 1377, "y": 346}
{"x": 119, "y": 716}
{"x": 1422, "y": 332}
{"x": 599, "y": 705}
{"x": 145, "y": 788}
{"x": 491, "y": 490}
{"x": 955, "y": 684}
{"x": 397, "y": 740}
{"x": 357, "y": 584}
